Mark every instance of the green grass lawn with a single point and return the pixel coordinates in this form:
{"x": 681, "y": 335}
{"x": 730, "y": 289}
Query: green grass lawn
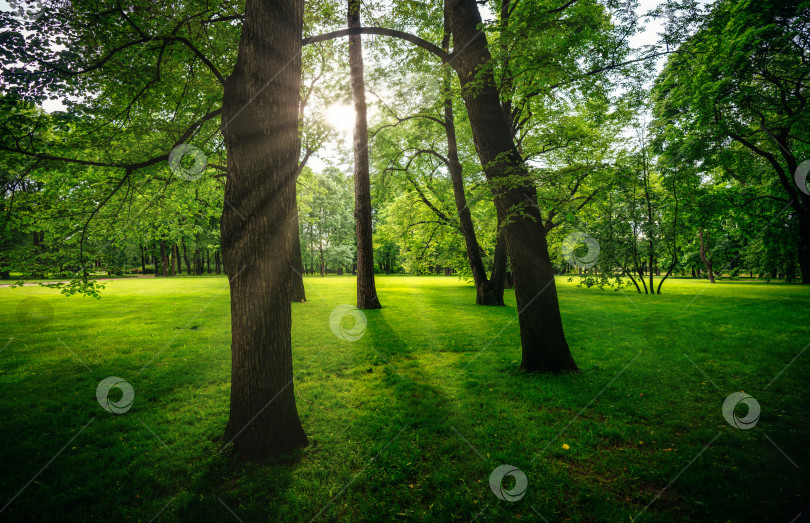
{"x": 409, "y": 421}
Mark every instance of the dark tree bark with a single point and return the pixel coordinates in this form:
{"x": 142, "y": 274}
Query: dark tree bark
{"x": 705, "y": 259}
{"x": 804, "y": 244}
{"x": 218, "y": 269}
{"x": 487, "y": 292}
{"x": 143, "y": 260}
{"x": 185, "y": 257}
{"x": 541, "y": 332}
{"x": 260, "y": 127}
{"x": 366, "y": 287}
{"x": 164, "y": 261}
{"x": 173, "y": 260}
{"x": 297, "y": 292}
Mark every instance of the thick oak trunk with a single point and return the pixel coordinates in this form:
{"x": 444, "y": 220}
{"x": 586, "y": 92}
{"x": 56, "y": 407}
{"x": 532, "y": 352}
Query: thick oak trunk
{"x": 541, "y": 331}
{"x": 260, "y": 121}
{"x": 366, "y": 288}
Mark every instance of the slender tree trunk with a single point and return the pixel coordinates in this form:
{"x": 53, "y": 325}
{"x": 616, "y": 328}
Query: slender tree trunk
{"x": 804, "y": 245}
{"x": 185, "y": 257}
{"x": 260, "y": 127}
{"x": 366, "y": 287}
{"x": 320, "y": 250}
{"x": 208, "y": 260}
{"x": 173, "y": 260}
{"x": 143, "y": 261}
{"x": 164, "y": 260}
{"x": 218, "y": 269}
{"x": 297, "y": 292}
{"x": 497, "y": 280}
{"x": 486, "y": 292}
{"x": 541, "y": 330}
{"x": 703, "y": 257}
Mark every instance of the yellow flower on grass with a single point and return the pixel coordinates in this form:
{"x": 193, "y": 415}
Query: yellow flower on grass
{"x": 565, "y": 446}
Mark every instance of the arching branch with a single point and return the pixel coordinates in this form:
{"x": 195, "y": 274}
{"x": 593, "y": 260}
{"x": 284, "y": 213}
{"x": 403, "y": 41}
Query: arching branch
{"x": 419, "y": 42}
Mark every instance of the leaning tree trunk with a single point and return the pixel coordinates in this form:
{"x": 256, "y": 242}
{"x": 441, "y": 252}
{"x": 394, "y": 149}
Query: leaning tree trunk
{"x": 541, "y": 331}
{"x": 486, "y": 292}
{"x": 259, "y": 124}
{"x": 366, "y": 288}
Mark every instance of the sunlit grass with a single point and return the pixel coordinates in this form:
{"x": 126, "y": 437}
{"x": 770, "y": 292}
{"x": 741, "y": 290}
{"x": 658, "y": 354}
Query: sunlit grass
{"x": 409, "y": 421}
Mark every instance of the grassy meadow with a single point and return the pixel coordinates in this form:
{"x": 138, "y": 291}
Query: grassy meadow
{"x": 409, "y": 421}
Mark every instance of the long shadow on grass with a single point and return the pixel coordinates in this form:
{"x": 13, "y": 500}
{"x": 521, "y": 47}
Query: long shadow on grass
{"x": 411, "y": 429}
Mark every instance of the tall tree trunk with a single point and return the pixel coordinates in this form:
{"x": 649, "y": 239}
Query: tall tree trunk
{"x": 218, "y": 268}
{"x": 320, "y": 250}
{"x": 703, "y": 257}
{"x": 498, "y": 279}
{"x": 297, "y": 292}
{"x": 208, "y": 260}
{"x": 541, "y": 330}
{"x": 143, "y": 260}
{"x": 486, "y": 292}
{"x": 804, "y": 245}
{"x": 173, "y": 260}
{"x": 185, "y": 257}
{"x": 164, "y": 261}
{"x": 260, "y": 127}
{"x": 366, "y": 288}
